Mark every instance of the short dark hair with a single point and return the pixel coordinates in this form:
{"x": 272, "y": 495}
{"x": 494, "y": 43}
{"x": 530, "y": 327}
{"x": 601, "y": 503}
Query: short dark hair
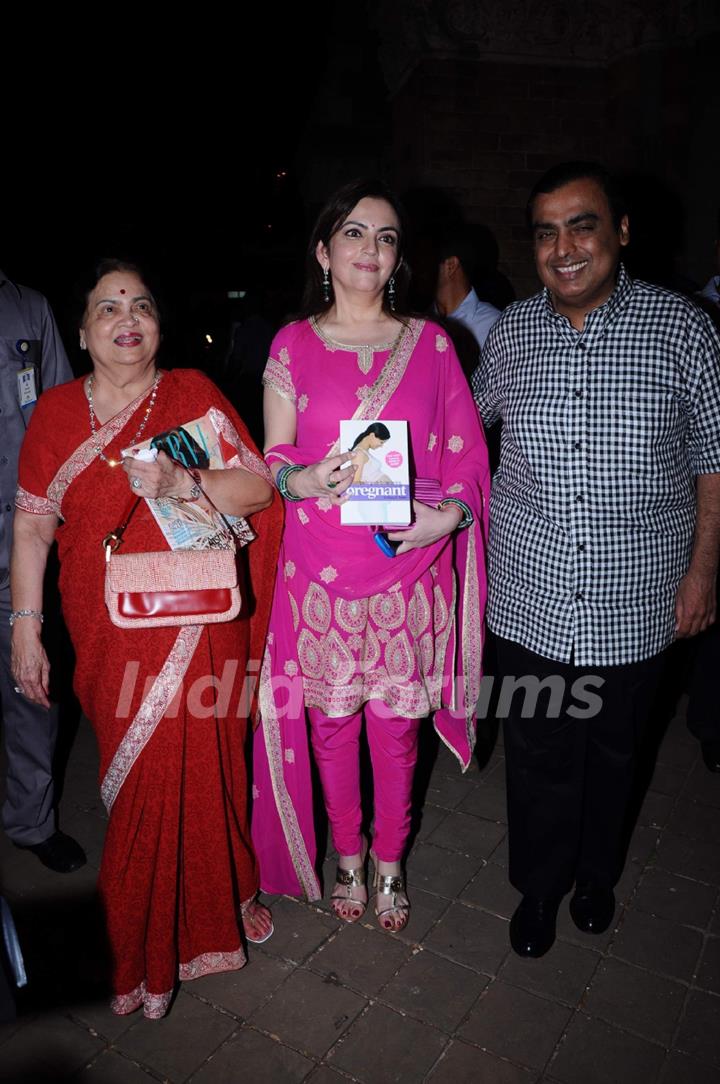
{"x": 108, "y": 265}
{"x": 567, "y": 172}
{"x": 456, "y": 242}
{"x": 331, "y": 217}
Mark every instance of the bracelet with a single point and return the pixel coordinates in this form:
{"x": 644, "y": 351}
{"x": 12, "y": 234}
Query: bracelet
{"x": 468, "y": 518}
{"x": 25, "y": 613}
{"x": 281, "y": 480}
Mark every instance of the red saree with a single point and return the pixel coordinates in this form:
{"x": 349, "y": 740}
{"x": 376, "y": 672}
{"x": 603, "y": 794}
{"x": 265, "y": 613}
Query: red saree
{"x": 168, "y": 704}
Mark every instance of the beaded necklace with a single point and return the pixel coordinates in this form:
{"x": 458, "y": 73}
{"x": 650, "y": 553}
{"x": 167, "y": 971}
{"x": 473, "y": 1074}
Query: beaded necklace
{"x": 141, "y": 428}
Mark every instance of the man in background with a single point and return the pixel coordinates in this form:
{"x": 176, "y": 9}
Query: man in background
{"x": 455, "y": 298}
{"x": 31, "y": 358}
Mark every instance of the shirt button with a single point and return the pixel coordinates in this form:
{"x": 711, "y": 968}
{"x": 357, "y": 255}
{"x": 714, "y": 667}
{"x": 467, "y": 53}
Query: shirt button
{"x": 579, "y": 497}
{"x": 581, "y": 547}
{"x": 8, "y": 508}
{"x": 581, "y": 346}
{"x": 579, "y": 596}
{"x": 578, "y": 445}
{"x": 578, "y": 393}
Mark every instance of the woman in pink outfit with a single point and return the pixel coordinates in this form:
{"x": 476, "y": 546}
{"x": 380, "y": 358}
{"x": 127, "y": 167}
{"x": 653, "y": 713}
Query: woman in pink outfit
{"x": 352, "y": 630}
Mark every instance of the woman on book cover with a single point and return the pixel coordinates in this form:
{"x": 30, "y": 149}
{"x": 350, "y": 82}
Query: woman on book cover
{"x": 179, "y": 878}
{"x": 368, "y": 468}
{"x": 352, "y": 631}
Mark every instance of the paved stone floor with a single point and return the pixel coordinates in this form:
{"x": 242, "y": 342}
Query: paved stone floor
{"x": 446, "y": 1001}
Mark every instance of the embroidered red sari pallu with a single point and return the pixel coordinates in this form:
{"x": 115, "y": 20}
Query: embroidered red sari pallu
{"x": 169, "y": 705}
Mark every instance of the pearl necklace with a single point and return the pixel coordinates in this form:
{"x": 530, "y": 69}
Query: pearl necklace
{"x": 141, "y": 428}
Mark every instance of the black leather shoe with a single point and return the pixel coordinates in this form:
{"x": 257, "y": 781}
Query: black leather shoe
{"x": 59, "y": 852}
{"x": 711, "y": 755}
{"x": 532, "y": 927}
{"x": 592, "y": 908}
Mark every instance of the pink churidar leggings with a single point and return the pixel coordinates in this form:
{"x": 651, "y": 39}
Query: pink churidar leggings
{"x": 393, "y": 751}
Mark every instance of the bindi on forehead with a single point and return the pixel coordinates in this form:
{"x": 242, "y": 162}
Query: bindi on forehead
{"x": 122, "y": 291}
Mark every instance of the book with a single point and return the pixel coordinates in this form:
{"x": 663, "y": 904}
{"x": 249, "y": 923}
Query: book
{"x": 197, "y": 444}
{"x": 380, "y": 490}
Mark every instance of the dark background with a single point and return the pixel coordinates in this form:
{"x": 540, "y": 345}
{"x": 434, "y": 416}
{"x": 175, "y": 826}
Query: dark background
{"x": 203, "y": 144}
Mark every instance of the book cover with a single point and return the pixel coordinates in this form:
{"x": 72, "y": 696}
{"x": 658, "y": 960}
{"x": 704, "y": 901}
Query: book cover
{"x": 196, "y": 444}
{"x": 380, "y": 490}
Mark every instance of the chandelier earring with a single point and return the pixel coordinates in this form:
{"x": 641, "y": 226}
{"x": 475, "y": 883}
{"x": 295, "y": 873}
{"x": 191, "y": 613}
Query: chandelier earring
{"x": 391, "y": 292}
{"x": 326, "y": 284}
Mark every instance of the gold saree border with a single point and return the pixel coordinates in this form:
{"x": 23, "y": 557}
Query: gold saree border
{"x": 212, "y": 963}
{"x": 37, "y": 506}
{"x": 283, "y": 802}
{"x": 388, "y": 379}
{"x": 247, "y": 459}
{"x": 150, "y": 712}
{"x": 84, "y": 455}
{"x": 472, "y": 640}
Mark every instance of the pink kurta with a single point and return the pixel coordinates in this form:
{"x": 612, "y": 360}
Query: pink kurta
{"x": 349, "y": 624}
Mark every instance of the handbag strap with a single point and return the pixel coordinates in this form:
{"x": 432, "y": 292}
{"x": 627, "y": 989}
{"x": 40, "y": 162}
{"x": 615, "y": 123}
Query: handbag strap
{"x": 112, "y": 541}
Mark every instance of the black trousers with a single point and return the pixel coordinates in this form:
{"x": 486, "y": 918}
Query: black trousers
{"x": 571, "y": 761}
{"x": 703, "y": 712}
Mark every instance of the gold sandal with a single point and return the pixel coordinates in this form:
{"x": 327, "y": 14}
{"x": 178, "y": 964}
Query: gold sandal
{"x": 349, "y": 878}
{"x": 390, "y": 884}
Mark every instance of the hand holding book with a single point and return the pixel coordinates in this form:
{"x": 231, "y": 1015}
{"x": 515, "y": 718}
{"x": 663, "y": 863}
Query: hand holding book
{"x": 429, "y": 526}
{"x": 162, "y": 477}
{"x": 327, "y": 479}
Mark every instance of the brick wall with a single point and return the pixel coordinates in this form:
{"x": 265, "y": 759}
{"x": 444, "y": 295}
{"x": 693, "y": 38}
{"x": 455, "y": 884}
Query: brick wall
{"x": 484, "y": 133}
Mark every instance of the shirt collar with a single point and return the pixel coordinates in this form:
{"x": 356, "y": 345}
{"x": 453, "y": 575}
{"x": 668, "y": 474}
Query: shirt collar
{"x": 605, "y": 312}
{"x": 466, "y": 306}
{"x": 5, "y": 281}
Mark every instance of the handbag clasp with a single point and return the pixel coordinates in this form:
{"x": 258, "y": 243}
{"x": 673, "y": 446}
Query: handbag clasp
{"x": 110, "y": 544}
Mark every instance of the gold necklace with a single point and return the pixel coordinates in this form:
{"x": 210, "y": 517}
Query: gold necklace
{"x": 141, "y": 428}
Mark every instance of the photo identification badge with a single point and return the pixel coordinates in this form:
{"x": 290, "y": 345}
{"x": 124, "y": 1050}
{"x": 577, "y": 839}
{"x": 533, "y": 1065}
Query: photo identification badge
{"x": 27, "y": 388}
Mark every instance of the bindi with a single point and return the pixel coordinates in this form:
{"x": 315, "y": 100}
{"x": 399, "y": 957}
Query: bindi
{"x": 122, "y": 291}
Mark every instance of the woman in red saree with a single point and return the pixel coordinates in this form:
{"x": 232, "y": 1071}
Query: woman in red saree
{"x": 169, "y": 705}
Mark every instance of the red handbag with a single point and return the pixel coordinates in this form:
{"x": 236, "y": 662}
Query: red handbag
{"x": 170, "y": 587}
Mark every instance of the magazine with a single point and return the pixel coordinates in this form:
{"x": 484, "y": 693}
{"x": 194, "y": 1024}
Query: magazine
{"x": 196, "y": 444}
{"x": 380, "y": 490}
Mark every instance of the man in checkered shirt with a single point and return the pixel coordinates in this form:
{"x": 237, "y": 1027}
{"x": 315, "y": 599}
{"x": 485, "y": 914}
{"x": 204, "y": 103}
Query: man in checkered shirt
{"x": 604, "y": 529}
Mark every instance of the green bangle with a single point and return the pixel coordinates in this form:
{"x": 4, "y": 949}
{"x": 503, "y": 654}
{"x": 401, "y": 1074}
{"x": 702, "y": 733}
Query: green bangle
{"x": 468, "y": 518}
{"x": 281, "y": 480}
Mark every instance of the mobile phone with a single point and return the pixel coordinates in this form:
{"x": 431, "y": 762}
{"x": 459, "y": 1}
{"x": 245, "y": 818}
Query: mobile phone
{"x": 383, "y": 542}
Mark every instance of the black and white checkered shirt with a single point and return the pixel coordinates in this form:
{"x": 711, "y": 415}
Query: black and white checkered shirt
{"x": 593, "y": 505}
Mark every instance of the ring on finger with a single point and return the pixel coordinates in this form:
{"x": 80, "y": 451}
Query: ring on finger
{"x": 136, "y": 483}
{"x": 331, "y": 485}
